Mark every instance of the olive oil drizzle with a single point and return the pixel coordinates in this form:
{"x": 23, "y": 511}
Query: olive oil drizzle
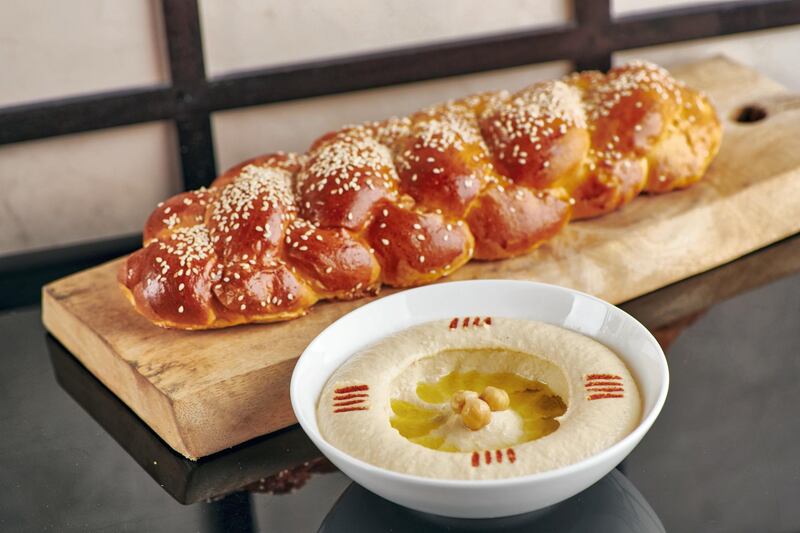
{"x": 535, "y": 403}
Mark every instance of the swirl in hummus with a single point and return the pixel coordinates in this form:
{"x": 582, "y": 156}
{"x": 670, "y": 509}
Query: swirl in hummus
{"x": 567, "y": 397}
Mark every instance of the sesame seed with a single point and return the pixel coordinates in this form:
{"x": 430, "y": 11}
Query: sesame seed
{"x": 385, "y": 242}
{"x": 180, "y": 309}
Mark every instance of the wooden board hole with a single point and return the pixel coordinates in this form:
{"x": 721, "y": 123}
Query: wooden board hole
{"x": 751, "y": 113}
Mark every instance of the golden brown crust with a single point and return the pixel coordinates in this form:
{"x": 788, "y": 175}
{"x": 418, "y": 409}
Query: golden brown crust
{"x": 336, "y": 262}
{"x": 408, "y": 200}
{"x": 415, "y": 247}
{"x": 510, "y": 221}
{"x": 442, "y": 161}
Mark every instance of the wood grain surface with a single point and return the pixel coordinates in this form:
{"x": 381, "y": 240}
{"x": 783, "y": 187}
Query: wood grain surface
{"x": 205, "y": 391}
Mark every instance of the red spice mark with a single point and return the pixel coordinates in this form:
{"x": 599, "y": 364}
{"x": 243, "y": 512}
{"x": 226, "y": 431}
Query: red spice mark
{"x": 603, "y": 384}
{"x": 487, "y": 321}
{"x": 488, "y": 456}
{"x": 351, "y": 402}
{"x": 607, "y": 389}
{"x": 346, "y": 409}
{"x": 602, "y": 376}
{"x": 353, "y": 388}
{"x": 511, "y": 454}
{"x": 350, "y": 396}
{"x": 476, "y": 321}
{"x": 605, "y": 395}
{"x": 454, "y": 323}
{"x": 476, "y": 459}
{"x": 466, "y": 322}
{"x": 498, "y": 455}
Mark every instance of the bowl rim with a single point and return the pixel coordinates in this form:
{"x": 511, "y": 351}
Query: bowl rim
{"x": 631, "y": 439}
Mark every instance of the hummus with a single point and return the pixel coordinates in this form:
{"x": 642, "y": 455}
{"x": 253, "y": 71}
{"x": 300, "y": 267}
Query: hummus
{"x": 390, "y": 405}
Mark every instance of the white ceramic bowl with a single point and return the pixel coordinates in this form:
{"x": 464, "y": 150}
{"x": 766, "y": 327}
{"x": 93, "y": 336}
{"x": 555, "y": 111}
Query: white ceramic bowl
{"x": 515, "y": 299}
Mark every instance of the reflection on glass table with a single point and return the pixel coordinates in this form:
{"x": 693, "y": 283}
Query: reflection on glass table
{"x": 612, "y": 505}
{"x": 276, "y": 463}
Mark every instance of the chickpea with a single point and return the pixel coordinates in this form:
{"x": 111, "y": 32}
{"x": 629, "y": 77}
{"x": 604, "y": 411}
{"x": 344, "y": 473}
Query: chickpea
{"x": 476, "y": 413}
{"x": 458, "y": 399}
{"x": 496, "y": 398}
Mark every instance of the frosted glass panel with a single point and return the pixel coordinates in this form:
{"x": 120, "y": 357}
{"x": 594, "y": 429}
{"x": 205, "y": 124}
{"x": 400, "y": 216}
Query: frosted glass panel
{"x": 56, "y": 48}
{"x": 85, "y": 186}
{"x": 240, "y": 34}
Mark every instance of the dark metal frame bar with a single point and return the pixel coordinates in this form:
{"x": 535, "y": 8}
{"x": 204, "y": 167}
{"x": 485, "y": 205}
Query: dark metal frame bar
{"x": 589, "y": 40}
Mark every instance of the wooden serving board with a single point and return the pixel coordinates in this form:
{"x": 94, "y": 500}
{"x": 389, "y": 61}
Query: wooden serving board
{"x": 206, "y": 391}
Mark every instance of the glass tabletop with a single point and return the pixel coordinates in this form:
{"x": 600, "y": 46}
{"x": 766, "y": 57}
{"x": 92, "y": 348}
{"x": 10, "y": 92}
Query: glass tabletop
{"x": 721, "y": 457}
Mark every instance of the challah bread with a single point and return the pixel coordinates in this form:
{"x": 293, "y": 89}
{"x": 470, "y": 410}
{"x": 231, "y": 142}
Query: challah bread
{"x": 409, "y": 200}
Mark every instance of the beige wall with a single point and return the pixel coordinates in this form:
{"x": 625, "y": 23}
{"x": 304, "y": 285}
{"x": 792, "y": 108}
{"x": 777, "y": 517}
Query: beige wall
{"x": 78, "y": 187}
{"x": 242, "y": 34}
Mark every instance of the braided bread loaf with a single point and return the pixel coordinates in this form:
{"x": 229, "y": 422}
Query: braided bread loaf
{"x": 409, "y": 200}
